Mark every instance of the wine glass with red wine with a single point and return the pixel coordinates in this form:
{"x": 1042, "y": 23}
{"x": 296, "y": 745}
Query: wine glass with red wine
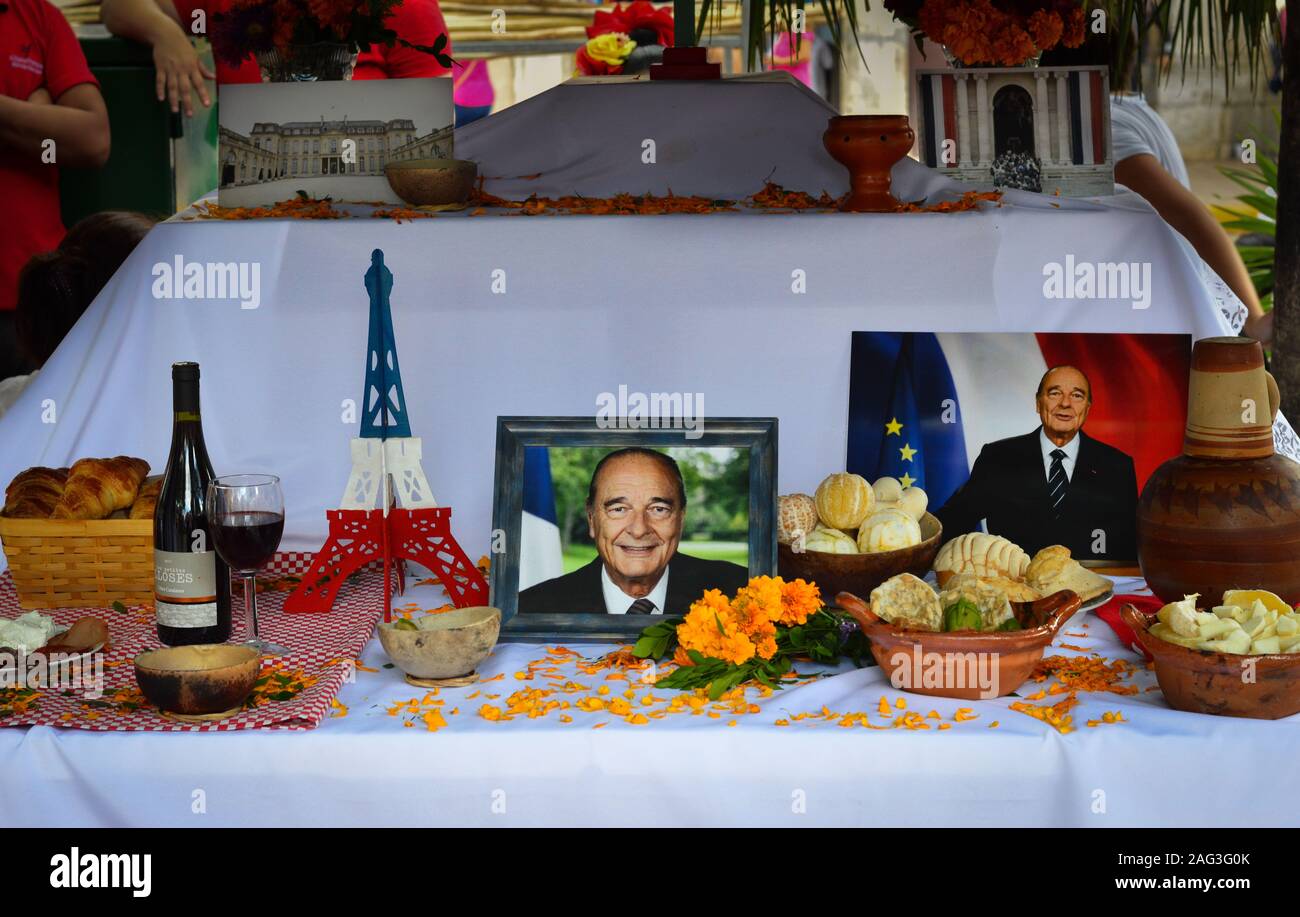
{"x": 246, "y": 519}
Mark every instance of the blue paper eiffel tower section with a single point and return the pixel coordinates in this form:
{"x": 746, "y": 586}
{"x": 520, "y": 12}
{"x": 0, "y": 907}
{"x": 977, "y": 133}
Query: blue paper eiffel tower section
{"x": 384, "y": 402}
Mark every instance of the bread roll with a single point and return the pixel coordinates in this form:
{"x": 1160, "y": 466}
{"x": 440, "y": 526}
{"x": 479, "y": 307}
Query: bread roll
{"x": 97, "y": 488}
{"x": 34, "y": 493}
{"x": 908, "y": 602}
{"x": 1053, "y": 569}
{"x": 987, "y": 556}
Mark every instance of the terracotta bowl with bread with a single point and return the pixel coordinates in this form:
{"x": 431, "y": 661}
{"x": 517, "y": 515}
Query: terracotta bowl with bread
{"x": 1006, "y": 657}
{"x": 1201, "y": 681}
{"x": 860, "y": 573}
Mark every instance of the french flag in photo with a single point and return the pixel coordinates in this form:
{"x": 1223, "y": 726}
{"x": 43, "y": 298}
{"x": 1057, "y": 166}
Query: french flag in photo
{"x": 922, "y": 405}
{"x": 540, "y": 556}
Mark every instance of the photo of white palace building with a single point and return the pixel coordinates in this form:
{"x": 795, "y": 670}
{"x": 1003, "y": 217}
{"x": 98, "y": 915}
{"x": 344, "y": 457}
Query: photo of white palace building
{"x": 305, "y": 149}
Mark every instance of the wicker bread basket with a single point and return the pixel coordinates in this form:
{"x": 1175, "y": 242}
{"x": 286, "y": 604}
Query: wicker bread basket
{"x": 70, "y": 563}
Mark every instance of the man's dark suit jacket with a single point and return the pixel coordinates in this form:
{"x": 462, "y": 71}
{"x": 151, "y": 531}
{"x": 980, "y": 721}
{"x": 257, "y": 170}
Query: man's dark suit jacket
{"x": 580, "y": 592}
{"x": 1008, "y": 487}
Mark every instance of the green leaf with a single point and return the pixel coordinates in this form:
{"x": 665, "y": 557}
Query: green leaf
{"x": 119, "y": 608}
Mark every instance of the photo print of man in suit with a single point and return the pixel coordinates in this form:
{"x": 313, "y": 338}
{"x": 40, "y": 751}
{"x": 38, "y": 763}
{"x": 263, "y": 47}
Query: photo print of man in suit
{"x": 636, "y": 509}
{"x": 1055, "y": 485}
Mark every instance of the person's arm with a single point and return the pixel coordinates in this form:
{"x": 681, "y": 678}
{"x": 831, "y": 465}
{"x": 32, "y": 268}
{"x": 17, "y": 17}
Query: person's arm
{"x": 420, "y": 22}
{"x": 77, "y": 122}
{"x": 1183, "y": 211}
{"x": 178, "y": 70}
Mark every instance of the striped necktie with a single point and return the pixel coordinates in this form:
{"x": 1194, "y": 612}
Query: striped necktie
{"x": 641, "y": 607}
{"x": 1057, "y": 482}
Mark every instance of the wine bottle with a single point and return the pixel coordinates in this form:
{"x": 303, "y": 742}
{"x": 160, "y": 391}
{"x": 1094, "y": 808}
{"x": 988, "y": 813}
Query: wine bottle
{"x": 191, "y": 583}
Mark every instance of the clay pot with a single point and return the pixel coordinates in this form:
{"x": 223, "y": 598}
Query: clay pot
{"x": 868, "y": 146}
{"x": 1201, "y": 681}
{"x": 861, "y": 573}
{"x": 1226, "y": 513}
{"x": 949, "y": 664}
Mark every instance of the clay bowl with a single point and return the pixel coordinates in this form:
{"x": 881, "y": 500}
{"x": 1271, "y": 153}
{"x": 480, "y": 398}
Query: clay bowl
{"x": 199, "y": 679}
{"x": 432, "y": 182}
{"x": 1201, "y": 681}
{"x": 860, "y": 573}
{"x": 446, "y": 645}
{"x": 959, "y": 657}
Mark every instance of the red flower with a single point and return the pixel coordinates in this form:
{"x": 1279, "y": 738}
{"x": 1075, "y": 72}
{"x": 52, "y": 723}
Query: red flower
{"x": 640, "y": 14}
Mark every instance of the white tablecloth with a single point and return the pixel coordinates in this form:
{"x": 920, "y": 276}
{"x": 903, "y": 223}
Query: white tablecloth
{"x": 698, "y": 304}
{"x": 1161, "y": 767}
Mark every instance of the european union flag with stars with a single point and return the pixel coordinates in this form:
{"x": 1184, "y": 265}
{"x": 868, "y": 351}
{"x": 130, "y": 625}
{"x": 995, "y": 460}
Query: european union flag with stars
{"x": 903, "y": 416}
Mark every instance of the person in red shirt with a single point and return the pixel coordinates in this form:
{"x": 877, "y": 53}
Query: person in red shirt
{"x": 51, "y": 115}
{"x": 166, "y": 26}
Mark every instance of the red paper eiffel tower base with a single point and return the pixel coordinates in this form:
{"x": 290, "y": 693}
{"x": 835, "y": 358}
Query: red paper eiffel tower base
{"x": 359, "y": 536}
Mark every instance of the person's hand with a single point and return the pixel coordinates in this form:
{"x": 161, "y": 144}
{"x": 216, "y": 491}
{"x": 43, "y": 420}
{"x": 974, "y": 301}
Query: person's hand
{"x": 1260, "y": 327}
{"x": 41, "y": 96}
{"x": 179, "y": 70}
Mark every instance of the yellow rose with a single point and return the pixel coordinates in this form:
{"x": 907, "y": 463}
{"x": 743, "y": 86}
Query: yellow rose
{"x": 612, "y": 48}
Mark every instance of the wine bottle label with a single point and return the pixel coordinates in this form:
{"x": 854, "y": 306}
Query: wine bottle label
{"x": 185, "y": 588}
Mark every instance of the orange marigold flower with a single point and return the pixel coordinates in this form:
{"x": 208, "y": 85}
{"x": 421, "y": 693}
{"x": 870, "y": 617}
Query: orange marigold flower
{"x": 1045, "y": 27}
{"x": 1074, "y": 28}
{"x": 711, "y": 629}
{"x": 799, "y": 600}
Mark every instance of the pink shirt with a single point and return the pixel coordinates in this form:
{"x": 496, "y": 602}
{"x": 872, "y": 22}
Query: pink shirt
{"x": 783, "y": 50}
{"x": 473, "y": 87}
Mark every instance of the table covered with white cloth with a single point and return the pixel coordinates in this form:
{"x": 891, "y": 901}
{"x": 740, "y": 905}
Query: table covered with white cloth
{"x": 367, "y": 767}
{"x": 539, "y": 315}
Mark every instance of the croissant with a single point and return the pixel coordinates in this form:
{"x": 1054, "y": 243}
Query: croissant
{"x": 34, "y": 493}
{"x": 146, "y": 499}
{"x": 98, "y": 487}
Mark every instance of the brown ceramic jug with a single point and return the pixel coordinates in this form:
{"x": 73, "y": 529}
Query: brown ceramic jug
{"x": 1226, "y": 513}
{"x": 868, "y": 146}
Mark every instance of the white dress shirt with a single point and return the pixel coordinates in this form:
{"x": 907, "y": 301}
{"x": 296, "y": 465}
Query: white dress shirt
{"x": 617, "y": 602}
{"x": 1071, "y": 450}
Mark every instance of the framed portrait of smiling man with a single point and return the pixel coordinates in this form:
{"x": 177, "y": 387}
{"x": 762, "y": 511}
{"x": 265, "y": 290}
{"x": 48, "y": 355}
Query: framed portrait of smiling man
{"x": 601, "y": 528}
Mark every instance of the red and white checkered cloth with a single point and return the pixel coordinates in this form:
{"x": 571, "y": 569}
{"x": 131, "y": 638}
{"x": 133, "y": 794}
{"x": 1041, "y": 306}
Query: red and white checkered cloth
{"x": 322, "y": 645}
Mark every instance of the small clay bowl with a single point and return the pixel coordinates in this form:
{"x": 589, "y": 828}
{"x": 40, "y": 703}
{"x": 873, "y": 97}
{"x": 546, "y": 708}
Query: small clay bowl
{"x": 956, "y": 659}
{"x": 446, "y": 645}
{"x": 199, "y": 679}
{"x": 432, "y": 182}
{"x": 1202, "y": 681}
{"x": 860, "y": 573}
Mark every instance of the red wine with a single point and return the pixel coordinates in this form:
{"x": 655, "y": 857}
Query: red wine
{"x": 191, "y": 583}
{"x": 247, "y": 540}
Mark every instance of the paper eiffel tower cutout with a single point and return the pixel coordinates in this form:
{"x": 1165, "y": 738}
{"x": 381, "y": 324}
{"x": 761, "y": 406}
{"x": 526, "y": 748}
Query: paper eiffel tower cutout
{"x": 374, "y": 522}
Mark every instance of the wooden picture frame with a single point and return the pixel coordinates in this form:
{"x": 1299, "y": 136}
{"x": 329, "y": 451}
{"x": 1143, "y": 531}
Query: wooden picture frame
{"x": 514, "y": 434}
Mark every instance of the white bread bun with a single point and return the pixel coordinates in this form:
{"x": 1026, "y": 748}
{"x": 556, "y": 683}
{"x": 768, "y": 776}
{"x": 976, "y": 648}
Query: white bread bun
{"x": 988, "y": 556}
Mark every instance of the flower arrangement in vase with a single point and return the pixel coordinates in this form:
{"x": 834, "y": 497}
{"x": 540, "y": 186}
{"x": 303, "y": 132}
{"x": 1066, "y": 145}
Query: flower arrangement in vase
{"x": 993, "y": 33}
{"x": 309, "y": 39}
{"x": 626, "y": 40}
